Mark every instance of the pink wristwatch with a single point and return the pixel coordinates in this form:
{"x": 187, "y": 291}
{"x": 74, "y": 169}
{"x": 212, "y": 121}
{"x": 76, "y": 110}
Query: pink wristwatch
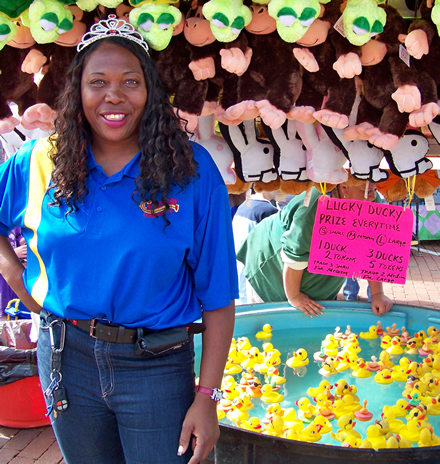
{"x": 214, "y": 393}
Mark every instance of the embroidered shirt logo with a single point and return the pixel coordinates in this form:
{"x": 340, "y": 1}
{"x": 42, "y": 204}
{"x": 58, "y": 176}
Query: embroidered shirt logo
{"x": 149, "y": 211}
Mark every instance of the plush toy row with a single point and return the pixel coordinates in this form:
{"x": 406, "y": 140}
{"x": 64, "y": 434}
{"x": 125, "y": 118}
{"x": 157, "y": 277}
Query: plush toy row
{"x": 288, "y": 63}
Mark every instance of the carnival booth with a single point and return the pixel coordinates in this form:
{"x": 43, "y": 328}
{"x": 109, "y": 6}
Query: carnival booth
{"x": 285, "y": 95}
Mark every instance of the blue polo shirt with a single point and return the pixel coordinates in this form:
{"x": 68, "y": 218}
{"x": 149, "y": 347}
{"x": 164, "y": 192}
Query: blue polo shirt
{"x": 112, "y": 258}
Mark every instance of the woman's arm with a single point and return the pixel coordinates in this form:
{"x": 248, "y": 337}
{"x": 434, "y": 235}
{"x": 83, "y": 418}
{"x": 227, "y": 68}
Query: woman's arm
{"x": 380, "y": 303}
{"x": 12, "y": 269}
{"x": 292, "y": 284}
{"x": 201, "y": 424}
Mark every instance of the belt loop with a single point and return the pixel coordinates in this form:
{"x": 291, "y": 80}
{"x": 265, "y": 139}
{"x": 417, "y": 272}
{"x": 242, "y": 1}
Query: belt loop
{"x": 93, "y": 328}
{"x": 120, "y": 334}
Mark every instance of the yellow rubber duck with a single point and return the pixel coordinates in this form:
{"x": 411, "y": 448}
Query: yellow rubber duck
{"x": 310, "y": 434}
{"x": 433, "y": 333}
{"x": 230, "y": 391}
{"x": 346, "y": 425}
{"x": 220, "y": 414}
{"x": 266, "y": 333}
{"x": 314, "y": 391}
{"x": 374, "y": 436}
{"x": 243, "y": 344}
{"x": 426, "y": 348}
{"x": 426, "y": 365}
{"x": 396, "y": 442}
{"x": 275, "y": 427}
{"x": 420, "y": 336}
{"x": 371, "y": 334}
{"x": 292, "y": 433}
{"x": 329, "y": 366}
{"x": 254, "y": 357}
{"x": 366, "y": 444}
{"x": 237, "y": 413}
{"x": 236, "y": 356}
{"x": 273, "y": 377}
{"x": 231, "y": 368}
{"x": 324, "y": 425}
{"x": 246, "y": 400}
{"x": 361, "y": 370}
{"x": 352, "y": 442}
{"x": 419, "y": 413}
{"x": 270, "y": 396}
{"x": 431, "y": 383}
{"x": 339, "y": 409}
{"x": 386, "y": 342}
{"x": 396, "y": 425}
{"x": 395, "y": 347}
{"x": 350, "y": 404}
{"x": 404, "y": 363}
{"x": 399, "y": 374}
{"x": 411, "y": 346}
{"x": 291, "y": 419}
{"x": 427, "y": 438}
{"x": 344, "y": 362}
{"x": 385, "y": 360}
{"x": 384, "y": 428}
{"x": 253, "y": 424}
{"x": 326, "y": 410}
{"x": 433, "y": 406}
{"x": 343, "y": 388}
{"x": 412, "y": 431}
{"x": 306, "y": 410}
{"x": 298, "y": 359}
{"x": 352, "y": 348}
{"x": 383, "y": 377}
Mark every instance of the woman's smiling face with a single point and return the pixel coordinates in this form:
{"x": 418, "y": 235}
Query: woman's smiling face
{"x": 113, "y": 93}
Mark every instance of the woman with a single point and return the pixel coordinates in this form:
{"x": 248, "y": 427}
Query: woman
{"x": 128, "y": 226}
{"x": 276, "y": 252}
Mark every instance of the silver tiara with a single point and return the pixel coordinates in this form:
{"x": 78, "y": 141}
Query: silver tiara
{"x": 111, "y": 27}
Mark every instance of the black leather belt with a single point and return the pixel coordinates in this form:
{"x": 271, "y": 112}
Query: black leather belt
{"x": 120, "y": 334}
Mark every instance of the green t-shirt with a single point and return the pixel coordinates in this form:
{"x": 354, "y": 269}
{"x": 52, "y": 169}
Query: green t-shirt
{"x": 290, "y": 230}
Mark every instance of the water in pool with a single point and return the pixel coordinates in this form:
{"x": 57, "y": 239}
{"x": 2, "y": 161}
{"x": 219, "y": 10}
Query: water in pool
{"x": 297, "y": 383}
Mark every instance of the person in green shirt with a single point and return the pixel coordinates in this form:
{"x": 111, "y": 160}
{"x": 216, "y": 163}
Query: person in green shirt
{"x": 276, "y": 253}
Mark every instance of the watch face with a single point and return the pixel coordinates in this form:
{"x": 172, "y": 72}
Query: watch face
{"x": 217, "y": 394}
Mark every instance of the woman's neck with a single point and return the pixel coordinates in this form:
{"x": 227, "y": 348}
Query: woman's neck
{"x": 112, "y": 157}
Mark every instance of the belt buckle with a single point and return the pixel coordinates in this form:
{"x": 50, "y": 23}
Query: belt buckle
{"x": 93, "y": 328}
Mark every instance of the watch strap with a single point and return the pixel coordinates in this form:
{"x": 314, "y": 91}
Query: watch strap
{"x": 214, "y": 393}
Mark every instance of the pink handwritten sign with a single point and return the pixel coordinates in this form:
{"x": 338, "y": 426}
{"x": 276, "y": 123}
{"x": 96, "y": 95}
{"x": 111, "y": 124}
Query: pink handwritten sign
{"x": 358, "y": 238}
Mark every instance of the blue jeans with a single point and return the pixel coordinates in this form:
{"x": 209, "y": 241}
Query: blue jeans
{"x": 350, "y": 290}
{"x": 122, "y": 408}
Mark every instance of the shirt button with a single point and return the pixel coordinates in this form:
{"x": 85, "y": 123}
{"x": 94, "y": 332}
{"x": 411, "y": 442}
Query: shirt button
{"x": 99, "y": 209}
{"x": 103, "y": 187}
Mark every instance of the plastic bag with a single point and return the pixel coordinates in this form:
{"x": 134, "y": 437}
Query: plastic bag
{"x": 18, "y": 355}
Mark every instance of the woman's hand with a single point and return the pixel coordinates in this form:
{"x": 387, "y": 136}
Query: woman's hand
{"x": 200, "y": 428}
{"x": 21, "y": 251}
{"x": 380, "y": 304}
{"x": 305, "y": 304}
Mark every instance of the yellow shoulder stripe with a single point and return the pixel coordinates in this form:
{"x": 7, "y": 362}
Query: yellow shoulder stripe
{"x": 40, "y": 171}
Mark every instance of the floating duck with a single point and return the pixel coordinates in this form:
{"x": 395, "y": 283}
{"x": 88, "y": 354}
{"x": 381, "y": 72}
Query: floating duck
{"x": 400, "y": 374}
{"x": 310, "y": 434}
{"x": 220, "y": 414}
{"x": 374, "y": 436}
{"x": 404, "y": 337}
{"x": 427, "y": 438}
{"x": 412, "y": 431}
{"x": 237, "y": 413}
{"x": 306, "y": 410}
{"x": 395, "y": 424}
{"x": 231, "y": 368}
{"x": 352, "y": 348}
{"x": 396, "y": 441}
{"x": 292, "y": 433}
{"x": 361, "y": 370}
{"x": 236, "y": 356}
{"x": 246, "y": 377}
{"x": 326, "y": 410}
{"x": 433, "y": 334}
{"x": 270, "y": 396}
{"x": 420, "y": 337}
{"x": 404, "y": 363}
{"x": 338, "y": 334}
{"x": 298, "y": 359}
{"x": 275, "y": 427}
{"x": 414, "y": 398}
{"x": 399, "y": 409}
{"x": 383, "y": 377}
{"x": 254, "y": 357}
{"x": 329, "y": 367}
{"x": 350, "y": 404}
{"x": 384, "y": 428}
{"x": 373, "y": 365}
{"x": 224, "y": 405}
{"x": 230, "y": 391}
{"x": 363, "y": 414}
{"x": 246, "y": 400}
{"x": 253, "y": 424}
{"x": 393, "y": 330}
{"x": 411, "y": 346}
{"x": 395, "y": 347}
{"x": 346, "y": 425}
{"x": 371, "y": 334}
{"x": 254, "y": 389}
{"x": 431, "y": 383}
{"x": 426, "y": 348}
{"x": 319, "y": 355}
{"x": 313, "y": 392}
{"x": 344, "y": 361}
{"x": 426, "y": 365}
{"x": 331, "y": 349}
{"x": 386, "y": 342}
{"x": 343, "y": 388}
{"x": 380, "y": 329}
{"x": 419, "y": 413}
{"x": 291, "y": 419}
{"x": 352, "y": 442}
{"x": 366, "y": 444}
{"x": 385, "y": 360}
{"x": 266, "y": 333}
{"x": 273, "y": 377}
{"x": 324, "y": 425}
{"x": 433, "y": 406}
{"x": 243, "y": 344}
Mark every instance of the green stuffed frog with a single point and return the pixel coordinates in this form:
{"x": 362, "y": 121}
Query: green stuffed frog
{"x": 227, "y": 18}
{"x": 7, "y": 30}
{"x": 90, "y": 5}
{"x": 363, "y": 19}
{"x": 155, "y": 22}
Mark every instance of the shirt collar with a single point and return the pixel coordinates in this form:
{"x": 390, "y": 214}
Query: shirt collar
{"x": 131, "y": 169}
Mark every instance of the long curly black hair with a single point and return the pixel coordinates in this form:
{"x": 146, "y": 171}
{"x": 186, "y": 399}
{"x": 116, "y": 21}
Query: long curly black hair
{"x": 166, "y": 155}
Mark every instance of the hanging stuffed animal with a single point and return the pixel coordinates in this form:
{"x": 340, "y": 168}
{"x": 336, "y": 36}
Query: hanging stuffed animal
{"x": 253, "y": 157}
{"x": 391, "y": 88}
{"x": 90, "y": 5}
